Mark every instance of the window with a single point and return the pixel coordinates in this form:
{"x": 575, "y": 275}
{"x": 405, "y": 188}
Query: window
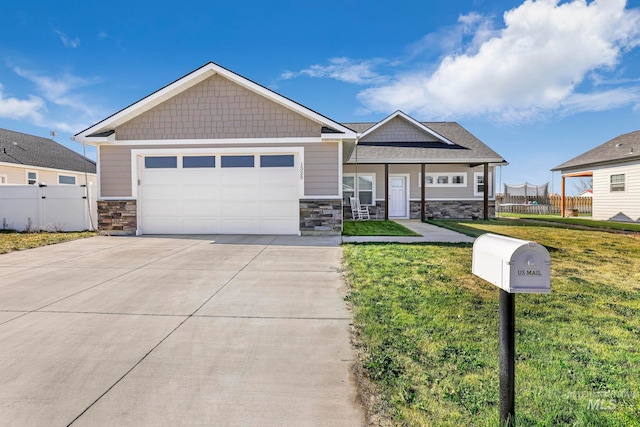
{"x": 617, "y": 182}
{"x": 32, "y": 178}
{"x": 3, "y": 179}
{"x": 277, "y": 161}
{"x": 198, "y": 162}
{"x": 447, "y": 179}
{"x": 458, "y": 179}
{"x": 66, "y": 179}
{"x": 161, "y": 162}
{"x": 365, "y": 188}
{"x": 237, "y": 161}
{"x": 478, "y": 186}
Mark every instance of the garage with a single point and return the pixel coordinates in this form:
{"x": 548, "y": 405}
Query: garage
{"x": 204, "y": 192}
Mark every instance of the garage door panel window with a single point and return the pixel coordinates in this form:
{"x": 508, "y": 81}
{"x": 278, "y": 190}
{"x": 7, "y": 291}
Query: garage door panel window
{"x": 238, "y": 161}
{"x": 165, "y": 162}
{"x": 198, "y": 162}
{"x": 277, "y": 161}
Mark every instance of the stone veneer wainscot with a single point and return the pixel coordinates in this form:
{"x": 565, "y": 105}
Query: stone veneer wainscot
{"x": 117, "y": 217}
{"x": 452, "y": 209}
{"x": 320, "y": 217}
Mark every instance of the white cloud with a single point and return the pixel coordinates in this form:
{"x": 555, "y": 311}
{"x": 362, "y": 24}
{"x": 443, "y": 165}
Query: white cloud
{"x": 532, "y": 65}
{"x": 342, "y": 69}
{"x": 59, "y": 90}
{"x": 601, "y": 101}
{"x": 31, "y": 108}
{"x": 68, "y": 42}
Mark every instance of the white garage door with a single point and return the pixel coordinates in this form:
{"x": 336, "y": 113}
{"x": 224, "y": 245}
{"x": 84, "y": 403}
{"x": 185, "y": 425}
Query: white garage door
{"x": 211, "y": 194}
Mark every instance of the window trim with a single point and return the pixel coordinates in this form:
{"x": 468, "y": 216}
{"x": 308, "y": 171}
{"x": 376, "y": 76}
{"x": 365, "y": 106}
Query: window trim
{"x": 75, "y": 179}
{"x": 449, "y": 175}
{"x": 357, "y": 189}
{"x": 623, "y": 184}
{"x": 35, "y": 180}
{"x": 476, "y": 175}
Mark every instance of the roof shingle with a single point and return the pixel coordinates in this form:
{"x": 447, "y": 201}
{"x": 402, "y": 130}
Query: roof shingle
{"x": 620, "y": 149}
{"x": 29, "y": 150}
{"x": 467, "y": 147}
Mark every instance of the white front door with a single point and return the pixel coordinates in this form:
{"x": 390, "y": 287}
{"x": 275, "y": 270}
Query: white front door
{"x": 397, "y": 196}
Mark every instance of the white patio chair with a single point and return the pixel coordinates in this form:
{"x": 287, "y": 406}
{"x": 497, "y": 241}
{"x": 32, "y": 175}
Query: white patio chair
{"x": 357, "y": 210}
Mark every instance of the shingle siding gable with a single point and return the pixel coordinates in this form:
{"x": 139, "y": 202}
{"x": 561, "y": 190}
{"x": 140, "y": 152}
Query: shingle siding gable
{"x": 217, "y": 108}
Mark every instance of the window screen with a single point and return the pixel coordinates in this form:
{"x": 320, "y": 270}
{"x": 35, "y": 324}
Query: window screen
{"x": 617, "y": 182}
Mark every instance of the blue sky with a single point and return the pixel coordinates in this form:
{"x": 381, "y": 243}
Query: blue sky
{"x": 538, "y": 81}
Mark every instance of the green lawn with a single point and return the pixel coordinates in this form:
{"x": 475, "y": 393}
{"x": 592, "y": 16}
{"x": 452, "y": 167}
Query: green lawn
{"x": 11, "y": 241}
{"x": 375, "y": 228}
{"x": 427, "y": 332}
{"x": 588, "y": 222}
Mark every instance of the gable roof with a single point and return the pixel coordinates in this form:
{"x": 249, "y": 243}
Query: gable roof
{"x": 620, "y": 149}
{"x": 455, "y": 145}
{"x": 408, "y": 119}
{"x": 30, "y": 150}
{"x": 102, "y": 131}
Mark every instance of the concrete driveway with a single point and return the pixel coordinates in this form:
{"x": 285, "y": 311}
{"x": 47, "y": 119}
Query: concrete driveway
{"x": 170, "y": 331}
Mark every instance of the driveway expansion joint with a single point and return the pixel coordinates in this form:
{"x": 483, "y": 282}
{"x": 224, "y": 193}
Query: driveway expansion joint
{"x": 170, "y": 333}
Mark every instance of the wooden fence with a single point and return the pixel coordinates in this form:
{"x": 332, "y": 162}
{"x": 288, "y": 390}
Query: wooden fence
{"x": 582, "y": 204}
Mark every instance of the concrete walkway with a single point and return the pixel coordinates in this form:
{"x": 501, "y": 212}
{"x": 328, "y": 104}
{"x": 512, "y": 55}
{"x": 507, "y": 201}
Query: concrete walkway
{"x": 191, "y": 331}
{"x": 430, "y": 233}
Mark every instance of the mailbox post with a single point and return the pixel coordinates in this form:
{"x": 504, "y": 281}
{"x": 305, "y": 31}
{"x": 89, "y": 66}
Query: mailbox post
{"x": 515, "y": 266}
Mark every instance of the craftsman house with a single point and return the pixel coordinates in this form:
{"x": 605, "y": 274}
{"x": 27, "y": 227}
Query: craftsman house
{"x": 214, "y": 152}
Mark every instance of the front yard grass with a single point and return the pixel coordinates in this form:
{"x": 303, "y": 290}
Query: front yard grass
{"x": 12, "y": 241}
{"x": 587, "y": 222}
{"x": 375, "y": 228}
{"x": 427, "y": 332}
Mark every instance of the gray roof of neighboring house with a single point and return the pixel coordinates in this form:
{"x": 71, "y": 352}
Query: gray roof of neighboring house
{"x": 30, "y": 150}
{"x": 620, "y": 149}
{"x": 467, "y": 148}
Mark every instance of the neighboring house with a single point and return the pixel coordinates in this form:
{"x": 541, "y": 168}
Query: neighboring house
{"x": 214, "y": 152}
{"x": 29, "y": 159}
{"x": 615, "y": 169}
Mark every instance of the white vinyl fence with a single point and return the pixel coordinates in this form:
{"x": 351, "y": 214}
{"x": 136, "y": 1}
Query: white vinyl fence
{"x": 47, "y": 208}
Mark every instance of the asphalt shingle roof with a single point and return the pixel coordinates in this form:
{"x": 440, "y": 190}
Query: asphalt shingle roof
{"x": 33, "y": 150}
{"x": 622, "y": 148}
{"x": 468, "y": 148}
